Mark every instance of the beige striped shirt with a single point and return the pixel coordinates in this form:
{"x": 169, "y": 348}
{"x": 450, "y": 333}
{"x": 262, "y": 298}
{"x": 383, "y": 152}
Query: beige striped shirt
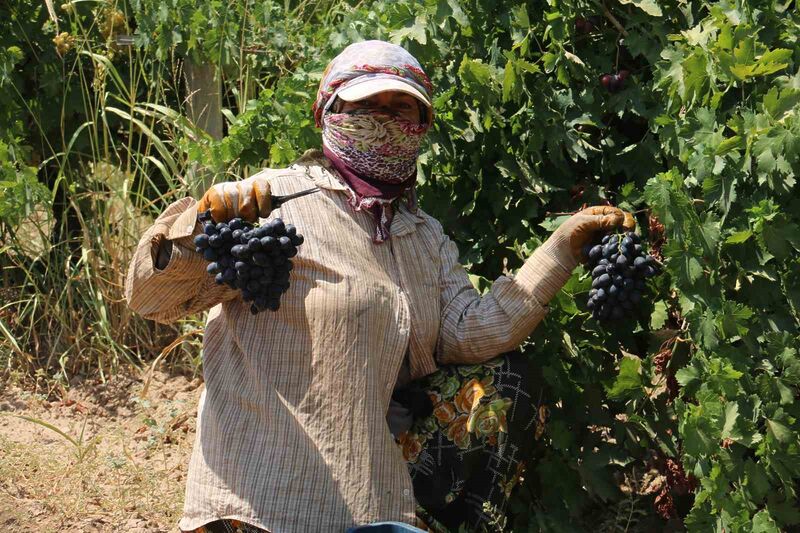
{"x": 292, "y": 435}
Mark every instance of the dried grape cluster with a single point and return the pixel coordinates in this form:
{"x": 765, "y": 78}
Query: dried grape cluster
{"x": 254, "y": 259}
{"x": 619, "y": 267}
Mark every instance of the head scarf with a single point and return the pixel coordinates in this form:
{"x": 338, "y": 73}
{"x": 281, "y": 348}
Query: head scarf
{"x": 374, "y": 153}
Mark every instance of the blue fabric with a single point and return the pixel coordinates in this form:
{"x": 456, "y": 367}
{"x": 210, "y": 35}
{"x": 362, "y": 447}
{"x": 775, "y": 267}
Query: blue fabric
{"x": 385, "y": 527}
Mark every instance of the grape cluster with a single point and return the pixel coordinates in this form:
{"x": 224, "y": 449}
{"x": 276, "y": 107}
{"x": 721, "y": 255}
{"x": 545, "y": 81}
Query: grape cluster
{"x": 255, "y": 259}
{"x": 619, "y": 268}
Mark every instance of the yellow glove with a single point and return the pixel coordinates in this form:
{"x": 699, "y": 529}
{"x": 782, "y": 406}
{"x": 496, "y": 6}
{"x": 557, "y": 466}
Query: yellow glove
{"x": 248, "y": 199}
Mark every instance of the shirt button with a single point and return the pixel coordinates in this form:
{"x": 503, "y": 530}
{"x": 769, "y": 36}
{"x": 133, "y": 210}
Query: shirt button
{"x": 406, "y": 492}
{"x": 189, "y": 228}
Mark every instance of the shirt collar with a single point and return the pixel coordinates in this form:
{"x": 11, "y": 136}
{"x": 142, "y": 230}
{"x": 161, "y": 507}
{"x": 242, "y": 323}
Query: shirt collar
{"x": 317, "y": 167}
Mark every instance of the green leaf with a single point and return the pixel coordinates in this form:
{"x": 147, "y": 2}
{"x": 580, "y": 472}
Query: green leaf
{"x": 687, "y": 375}
{"x": 474, "y": 72}
{"x": 659, "y": 316}
{"x": 731, "y": 416}
{"x": 764, "y": 523}
{"x": 650, "y": 7}
{"x": 780, "y": 431}
{"x": 628, "y": 382}
{"x": 510, "y": 86}
{"x": 707, "y": 331}
{"x": 736, "y": 142}
{"x": 739, "y": 237}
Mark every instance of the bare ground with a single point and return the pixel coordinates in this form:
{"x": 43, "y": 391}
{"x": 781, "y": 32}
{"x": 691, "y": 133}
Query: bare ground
{"x": 120, "y": 464}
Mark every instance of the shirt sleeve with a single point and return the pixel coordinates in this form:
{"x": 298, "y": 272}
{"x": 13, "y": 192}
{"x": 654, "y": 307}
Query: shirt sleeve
{"x": 476, "y": 328}
{"x": 183, "y": 287}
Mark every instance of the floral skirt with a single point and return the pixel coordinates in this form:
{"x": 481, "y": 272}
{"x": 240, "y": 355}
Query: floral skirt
{"x": 466, "y": 457}
{"x": 469, "y": 454}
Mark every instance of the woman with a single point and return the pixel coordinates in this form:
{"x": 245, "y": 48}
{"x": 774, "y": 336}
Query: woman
{"x": 292, "y": 435}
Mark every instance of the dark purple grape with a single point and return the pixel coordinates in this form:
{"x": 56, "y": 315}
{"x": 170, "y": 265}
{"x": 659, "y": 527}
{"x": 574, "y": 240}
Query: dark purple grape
{"x": 254, "y": 244}
{"x": 602, "y": 281}
{"x": 235, "y": 224}
{"x": 268, "y": 243}
{"x": 297, "y": 240}
{"x": 290, "y": 230}
{"x": 639, "y": 262}
{"x": 595, "y": 252}
{"x": 635, "y": 296}
{"x": 210, "y": 229}
{"x": 218, "y": 278}
{"x": 201, "y": 241}
{"x": 617, "y": 313}
{"x": 261, "y": 259}
{"x": 212, "y": 268}
{"x": 284, "y": 242}
{"x": 278, "y": 227}
{"x": 291, "y": 251}
{"x": 622, "y": 261}
{"x": 601, "y": 295}
{"x": 209, "y": 254}
{"x": 215, "y": 241}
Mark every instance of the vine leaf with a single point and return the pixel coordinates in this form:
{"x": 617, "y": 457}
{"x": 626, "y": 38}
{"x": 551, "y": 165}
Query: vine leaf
{"x": 628, "y": 383}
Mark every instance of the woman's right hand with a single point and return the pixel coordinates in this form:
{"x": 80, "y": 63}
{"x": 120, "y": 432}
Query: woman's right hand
{"x": 248, "y": 199}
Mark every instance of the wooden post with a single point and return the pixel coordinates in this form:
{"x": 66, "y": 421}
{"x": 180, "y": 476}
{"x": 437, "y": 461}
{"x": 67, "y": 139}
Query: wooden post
{"x": 204, "y": 87}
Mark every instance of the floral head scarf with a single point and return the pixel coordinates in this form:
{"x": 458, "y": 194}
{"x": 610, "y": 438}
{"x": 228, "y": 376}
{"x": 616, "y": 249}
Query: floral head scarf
{"x": 368, "y": 60}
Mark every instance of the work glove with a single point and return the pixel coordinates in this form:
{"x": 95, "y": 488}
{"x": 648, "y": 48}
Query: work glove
{"x": 588, "y": 226}
{"x": 551, "y": 265}
{"x": 248, "y": 199}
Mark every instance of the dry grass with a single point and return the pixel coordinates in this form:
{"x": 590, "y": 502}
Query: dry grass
{"x": 123, "y": 470}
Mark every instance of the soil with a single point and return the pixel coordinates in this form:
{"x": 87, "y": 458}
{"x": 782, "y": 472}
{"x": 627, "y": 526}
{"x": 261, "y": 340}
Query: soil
{"x": 103, "y": 457}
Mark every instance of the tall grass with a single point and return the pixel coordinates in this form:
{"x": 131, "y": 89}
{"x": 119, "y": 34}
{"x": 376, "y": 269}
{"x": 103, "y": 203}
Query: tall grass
{"x": 117, "y": 155}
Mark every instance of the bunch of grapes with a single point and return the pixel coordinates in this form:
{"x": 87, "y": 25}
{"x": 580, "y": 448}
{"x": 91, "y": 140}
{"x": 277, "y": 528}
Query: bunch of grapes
{"x": 619, "y": 268}
{"x": 254, "y": 259}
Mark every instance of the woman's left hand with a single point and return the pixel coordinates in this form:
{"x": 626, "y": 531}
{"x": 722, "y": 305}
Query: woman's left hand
{"x": 585, "y": 226}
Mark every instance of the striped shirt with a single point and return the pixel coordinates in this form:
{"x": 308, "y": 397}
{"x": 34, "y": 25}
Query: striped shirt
{"x": 292, "y": 435}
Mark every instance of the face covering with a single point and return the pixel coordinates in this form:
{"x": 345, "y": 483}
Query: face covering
{"x": 375, "y": 153}
{"x": 377, "y": 145}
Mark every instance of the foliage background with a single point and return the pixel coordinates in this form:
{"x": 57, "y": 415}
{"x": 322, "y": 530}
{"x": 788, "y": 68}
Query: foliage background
{"x": 703, "y": 142}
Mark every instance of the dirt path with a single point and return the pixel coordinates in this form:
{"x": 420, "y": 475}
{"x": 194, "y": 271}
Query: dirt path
{"x": 124, "y": 469}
